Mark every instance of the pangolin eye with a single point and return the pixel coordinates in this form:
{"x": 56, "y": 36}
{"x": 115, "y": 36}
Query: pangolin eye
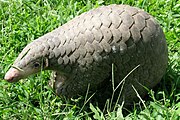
{"x": 36, "y": 65}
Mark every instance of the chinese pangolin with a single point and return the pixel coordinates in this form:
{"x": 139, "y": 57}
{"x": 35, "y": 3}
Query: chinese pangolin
{"x": 81, "y": 53}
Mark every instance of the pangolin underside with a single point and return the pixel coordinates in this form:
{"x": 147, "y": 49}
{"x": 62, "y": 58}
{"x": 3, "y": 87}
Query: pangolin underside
{"x": 82, "y": 52}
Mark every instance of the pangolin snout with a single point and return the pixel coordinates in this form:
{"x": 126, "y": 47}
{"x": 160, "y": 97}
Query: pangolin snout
{"x": 12, "y": 75}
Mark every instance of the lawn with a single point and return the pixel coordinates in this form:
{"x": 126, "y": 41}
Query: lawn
{"x": 22, "y": 21}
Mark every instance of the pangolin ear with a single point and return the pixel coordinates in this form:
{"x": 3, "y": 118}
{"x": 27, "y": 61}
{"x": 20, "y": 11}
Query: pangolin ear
{"x": 46, "y": 62}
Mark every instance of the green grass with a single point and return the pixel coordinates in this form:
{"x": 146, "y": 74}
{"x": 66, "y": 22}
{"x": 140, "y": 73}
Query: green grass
{"x": 22, "y": 21}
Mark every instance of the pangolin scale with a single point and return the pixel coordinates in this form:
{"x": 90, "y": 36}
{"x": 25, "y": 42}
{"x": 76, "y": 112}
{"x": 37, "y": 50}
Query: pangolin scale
{"x": 82, "y": 51}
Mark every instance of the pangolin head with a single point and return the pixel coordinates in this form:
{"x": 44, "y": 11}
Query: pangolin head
{"x": 30, "y": 61}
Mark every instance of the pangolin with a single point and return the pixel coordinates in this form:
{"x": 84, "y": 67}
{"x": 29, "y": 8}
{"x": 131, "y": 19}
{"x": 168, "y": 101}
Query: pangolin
{"x": 81, "y": 53}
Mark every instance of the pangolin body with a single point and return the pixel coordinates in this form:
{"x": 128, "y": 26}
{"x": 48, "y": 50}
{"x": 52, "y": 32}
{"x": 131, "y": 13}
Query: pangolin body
{"x": 82, "y": 51}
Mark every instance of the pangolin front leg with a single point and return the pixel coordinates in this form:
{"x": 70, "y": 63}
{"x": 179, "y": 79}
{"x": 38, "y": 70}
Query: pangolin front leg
{"x": 56, "y": 81}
